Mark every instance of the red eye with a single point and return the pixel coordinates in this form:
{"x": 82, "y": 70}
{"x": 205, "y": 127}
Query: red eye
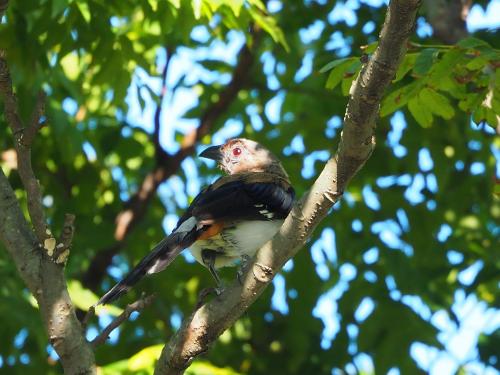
{"x": 236, "y": 151}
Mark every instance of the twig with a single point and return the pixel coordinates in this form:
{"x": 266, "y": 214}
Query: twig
{"x": 207, "y": 323}
{"x": 86, "y": 319}
{"x": 36, "y": 116}
{"x": 159, "y": 107}
{"x": 135, "y": 306}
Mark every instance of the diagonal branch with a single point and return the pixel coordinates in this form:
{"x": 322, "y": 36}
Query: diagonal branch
{"x": 138, "y": 305}
{"x": 136, "y": 207}
{"x": 207, "y": 323}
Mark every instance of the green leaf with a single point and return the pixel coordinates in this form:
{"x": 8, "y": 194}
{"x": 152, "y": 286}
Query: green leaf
{"x": 217, "y": 65}
{"x": 425, "y": 60}
{"x": 235, "y": 6}
{"x": 492, "y": 118}
{"x": 84, "y": 298}
{"x": 145, "y": 359}
{"x": 84, "y": 10}
{"x": 472, "y": 42}
{"x": 477, "y": 63}
{"x": 349, "y": 77}
{"x": 333, "y": 64}
{"x": 407, "y": 65}
{"x": 471, "y": 102}
{"x": 436, "y": 103}
{"x": 370, "y": 48}
{"x": 206, "y": 368}
{"x": 270, "y": 25}
{"x": 196, "y": 4}
{"x": 479, "y": 115}
{"x": 444, "y": 67}
{"x": 398, "y": 98}
{"x": 420, "y": 112}
{"x": 338, "y": 72}
{"x": 58, "y": 6}
{"x": 175, "y": 3}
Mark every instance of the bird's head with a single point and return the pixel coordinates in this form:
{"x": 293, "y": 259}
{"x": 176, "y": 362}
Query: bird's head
{"x": 240, "y": 155}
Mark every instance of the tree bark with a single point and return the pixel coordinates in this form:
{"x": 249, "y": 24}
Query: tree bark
{"x": 447, "y": 18}
{"x": 45, "y": 280}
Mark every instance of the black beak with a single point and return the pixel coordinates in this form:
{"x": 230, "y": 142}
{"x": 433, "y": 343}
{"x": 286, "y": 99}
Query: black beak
{"x": 212, "y": 152}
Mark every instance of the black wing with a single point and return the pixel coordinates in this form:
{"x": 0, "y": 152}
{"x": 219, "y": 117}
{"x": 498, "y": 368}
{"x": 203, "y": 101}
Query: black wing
{"x": 238, "y": 200}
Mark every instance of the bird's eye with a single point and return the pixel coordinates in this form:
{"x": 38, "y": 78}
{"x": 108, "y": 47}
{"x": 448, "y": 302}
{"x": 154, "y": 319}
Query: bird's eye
{"x": 236, "y": 151}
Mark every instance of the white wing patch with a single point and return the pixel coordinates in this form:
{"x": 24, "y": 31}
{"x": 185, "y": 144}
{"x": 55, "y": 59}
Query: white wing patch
{"x": 154, "y": 269}
{"x": 267, "y": 214}
{"x": 264, "y": 211}
{"x": 188, "y": 225}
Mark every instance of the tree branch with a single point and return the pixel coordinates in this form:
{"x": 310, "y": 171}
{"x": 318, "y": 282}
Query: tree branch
{"x": 138, "y": 305}
{"x": 447, "y": 18}
{"x": 207, "y": 323}
{"x": 136, "y": 207}
{"x": 38, "y": 269}
{"x": 22, "y": 142}
{"x": 45, "y": 279}
{"x": 3, "y": 7}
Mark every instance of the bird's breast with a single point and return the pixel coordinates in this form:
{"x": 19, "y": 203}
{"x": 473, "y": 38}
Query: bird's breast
{"x": 236, "y": 240}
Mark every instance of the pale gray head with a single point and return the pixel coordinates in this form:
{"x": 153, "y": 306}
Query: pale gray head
{"x": 243, "y": 155}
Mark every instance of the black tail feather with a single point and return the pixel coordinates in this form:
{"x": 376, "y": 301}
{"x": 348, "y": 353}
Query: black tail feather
{"x": 159, "y": 258}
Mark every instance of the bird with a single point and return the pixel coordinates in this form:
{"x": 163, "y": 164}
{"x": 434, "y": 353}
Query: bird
{"x": 229, "y": 220}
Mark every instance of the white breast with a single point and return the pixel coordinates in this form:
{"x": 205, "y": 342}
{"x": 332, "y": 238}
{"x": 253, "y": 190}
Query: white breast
{"x": 244, "y": 238}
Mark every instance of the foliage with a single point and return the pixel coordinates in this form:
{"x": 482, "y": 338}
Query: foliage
{"x": 421, "y": 212}
{"x": 467, "y": 72}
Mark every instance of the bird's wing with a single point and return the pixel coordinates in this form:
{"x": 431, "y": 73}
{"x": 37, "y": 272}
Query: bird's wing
{"x": 242, "y": 200}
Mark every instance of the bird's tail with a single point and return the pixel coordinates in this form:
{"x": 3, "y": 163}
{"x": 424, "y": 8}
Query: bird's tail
{"x": 160, "y": 257}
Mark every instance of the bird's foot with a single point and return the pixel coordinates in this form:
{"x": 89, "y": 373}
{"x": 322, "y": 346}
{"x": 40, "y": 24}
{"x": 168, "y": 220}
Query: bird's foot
{"x": 204, "y": 293}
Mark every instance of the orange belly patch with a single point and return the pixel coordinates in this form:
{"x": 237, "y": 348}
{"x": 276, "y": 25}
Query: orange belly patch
{"x": 213, "y": 230}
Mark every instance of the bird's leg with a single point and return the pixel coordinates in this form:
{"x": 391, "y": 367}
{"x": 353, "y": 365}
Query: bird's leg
{"x": 208, "y": 258}
{"x": 245, "y": 260}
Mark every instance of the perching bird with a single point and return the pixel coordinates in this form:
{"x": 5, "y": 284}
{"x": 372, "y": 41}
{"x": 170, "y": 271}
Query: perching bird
{"x": 230, "y": 219}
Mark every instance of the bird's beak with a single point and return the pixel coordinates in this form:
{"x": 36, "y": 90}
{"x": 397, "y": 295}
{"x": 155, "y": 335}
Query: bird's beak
{"x": 212, "y": 152}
